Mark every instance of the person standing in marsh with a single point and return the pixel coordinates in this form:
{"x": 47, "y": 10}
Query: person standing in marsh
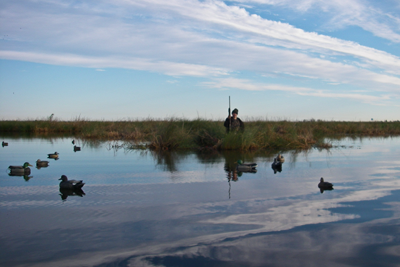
{"x": 233, "y": 123}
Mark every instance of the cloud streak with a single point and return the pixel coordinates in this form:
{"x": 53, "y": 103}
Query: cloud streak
{"x": 214, "y": 40}
{"x": 346, "y": 13}
{"x": 249, "y": 86}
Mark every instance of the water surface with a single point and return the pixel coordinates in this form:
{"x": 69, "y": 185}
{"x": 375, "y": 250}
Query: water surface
{"x": 141, "y": 208}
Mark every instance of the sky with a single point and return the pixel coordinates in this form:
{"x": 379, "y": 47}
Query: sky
{"x": 139, "y": 59}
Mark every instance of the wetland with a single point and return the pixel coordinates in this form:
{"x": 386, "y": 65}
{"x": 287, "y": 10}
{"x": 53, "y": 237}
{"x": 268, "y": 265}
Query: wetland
{"x": 143, "y": 207}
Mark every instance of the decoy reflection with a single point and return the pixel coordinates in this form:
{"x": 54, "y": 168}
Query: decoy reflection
{"x": 246, "y": 167}
{"x": 324, "y": 185}
{"x": 235, "y": 168}
{"x": 65, "y": 193}
{"x": 27, "y": 177}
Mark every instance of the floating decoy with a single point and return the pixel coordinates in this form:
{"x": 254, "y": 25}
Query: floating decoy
{"x": 70, "y": 184}
{"x": 73, "y": 142}
{"x": 276, "y": 166}
{"x": 280, "y": 158}
{"x": 4, "y": 144}
{"x": 41, "y": 163}
{"x": 77, "y": 148}
{"x": 324, "y": 185}
{"x": 53, "y": 156}
{"x": 20, "y": 170}
{"x": 243, "y": 167}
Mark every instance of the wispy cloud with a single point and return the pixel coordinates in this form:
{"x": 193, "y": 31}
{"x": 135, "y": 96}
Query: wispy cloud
{"x": 243, "y": 84}
{"x": 169, "y": 68}
{"x": 151, "y": 31}
{"x": 347, "y": 13}
{"x": 208, "y": 39}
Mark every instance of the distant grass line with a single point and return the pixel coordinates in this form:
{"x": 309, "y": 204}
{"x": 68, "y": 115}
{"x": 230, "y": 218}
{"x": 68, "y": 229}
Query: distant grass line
{"x": 174, "y": 133}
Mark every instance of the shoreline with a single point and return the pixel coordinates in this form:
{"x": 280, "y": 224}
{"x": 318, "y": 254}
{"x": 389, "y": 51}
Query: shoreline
{"x": 171, "y": 134}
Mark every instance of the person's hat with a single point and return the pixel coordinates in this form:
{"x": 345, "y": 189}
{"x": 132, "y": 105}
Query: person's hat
{"x": 235, "y": 111}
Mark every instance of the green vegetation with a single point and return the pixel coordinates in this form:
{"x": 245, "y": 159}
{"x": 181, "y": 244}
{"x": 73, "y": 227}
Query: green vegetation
{"x": 177, "y": 133}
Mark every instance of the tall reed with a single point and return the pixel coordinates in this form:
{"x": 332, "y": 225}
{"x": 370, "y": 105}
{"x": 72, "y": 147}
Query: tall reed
{"x": 176, "y": 133}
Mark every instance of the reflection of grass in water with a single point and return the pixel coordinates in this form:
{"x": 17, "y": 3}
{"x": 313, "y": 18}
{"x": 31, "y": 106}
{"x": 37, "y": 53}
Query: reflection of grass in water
{"x": 174, "y": 133}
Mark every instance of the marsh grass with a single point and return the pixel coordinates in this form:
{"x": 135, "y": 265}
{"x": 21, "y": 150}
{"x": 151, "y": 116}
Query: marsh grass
{"x": 175, "y": 133}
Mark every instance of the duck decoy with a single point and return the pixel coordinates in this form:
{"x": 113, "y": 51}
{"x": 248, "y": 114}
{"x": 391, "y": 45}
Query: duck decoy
{"x": 276, "y": 166}
{"x": 3, "y": 144}
{"x": 324, "y": 185}
{"x": 77, "y": 148}
{"x": 73, "y": 142}
{"x": 41, "y": 164}
{"x": 20, "y": 170}
{"x": 53, "y": 156}
{"x": 280, "y": 158}
{"x": 246, "y": 167}
{"x": 70, "y": 184}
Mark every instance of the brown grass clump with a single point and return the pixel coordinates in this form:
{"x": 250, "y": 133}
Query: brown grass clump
{"x": 174, "y": 133}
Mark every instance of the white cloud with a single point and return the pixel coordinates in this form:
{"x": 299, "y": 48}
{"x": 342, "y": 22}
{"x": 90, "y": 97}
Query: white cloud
{"x": 202, "y": 39}
{"x": 269, "y": 32}
{"x": 343, "y": 13}
{"x": 169, "y": 68}
{"x": 243, "y": 84}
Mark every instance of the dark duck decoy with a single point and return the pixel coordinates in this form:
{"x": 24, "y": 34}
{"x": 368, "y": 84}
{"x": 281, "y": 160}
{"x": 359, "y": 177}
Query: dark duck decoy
{"x": 276, "y": 166}
{"x": 70, "y": 184}
{"x": 77, "y": 148}
{"x": 3, "y": 144}
{"x": 324, "y": 185}
{"x": 41, "y": 164}
{"x": 53, "y": 156}
{"x": 73, "y": 142}
{"x": 20, "y": 170}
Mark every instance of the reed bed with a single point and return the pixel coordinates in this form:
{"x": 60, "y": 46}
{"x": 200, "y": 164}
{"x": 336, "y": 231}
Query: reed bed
{"x": 175, "y": 133}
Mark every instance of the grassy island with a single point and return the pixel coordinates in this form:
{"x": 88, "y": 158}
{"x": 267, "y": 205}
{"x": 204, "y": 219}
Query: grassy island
{"x": 177, "y": 133}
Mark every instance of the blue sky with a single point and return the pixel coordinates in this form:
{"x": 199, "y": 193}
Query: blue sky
{"x": 134, "y": 59}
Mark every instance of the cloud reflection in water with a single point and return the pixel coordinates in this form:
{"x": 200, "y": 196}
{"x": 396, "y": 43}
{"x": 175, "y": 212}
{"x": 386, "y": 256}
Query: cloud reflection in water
{"x": 183, "y": 215}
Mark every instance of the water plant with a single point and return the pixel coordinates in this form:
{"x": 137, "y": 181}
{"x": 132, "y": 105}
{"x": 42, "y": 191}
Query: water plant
{"x": 177, "y": 133}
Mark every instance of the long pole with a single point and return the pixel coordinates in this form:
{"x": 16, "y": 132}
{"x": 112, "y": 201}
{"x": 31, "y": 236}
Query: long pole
{"x": 229, "y": 113}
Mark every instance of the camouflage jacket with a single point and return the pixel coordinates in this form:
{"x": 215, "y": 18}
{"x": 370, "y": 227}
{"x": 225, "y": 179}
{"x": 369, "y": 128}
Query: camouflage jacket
{"x": 235, "y": 124}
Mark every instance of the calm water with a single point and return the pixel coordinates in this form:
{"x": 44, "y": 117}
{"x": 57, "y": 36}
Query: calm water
{"x": 185, "y": 209}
